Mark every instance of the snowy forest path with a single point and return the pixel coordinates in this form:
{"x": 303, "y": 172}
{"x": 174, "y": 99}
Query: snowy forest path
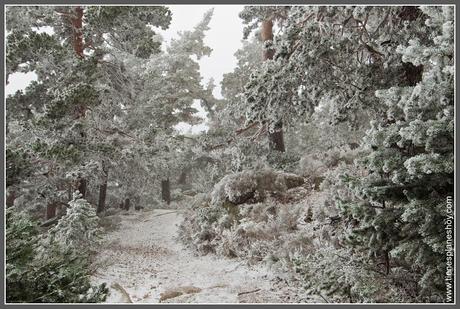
{"x": 143, "y": 262}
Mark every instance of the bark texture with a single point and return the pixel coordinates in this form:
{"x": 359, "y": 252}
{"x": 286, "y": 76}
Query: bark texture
{"x": 51, "y": 211}
{"x": 276, "y": 137}
{"x": 10, "y": 198}
{"x": 82, "y": 184}
{"x": 166, "y": 191}
{"x": 182, "y": 177}
{"x": 102, "y": 193}
{"x": 77, "y": 33}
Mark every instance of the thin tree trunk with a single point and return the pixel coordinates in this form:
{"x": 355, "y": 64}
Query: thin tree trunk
{"x": 182, "y": 177}
{"x": 386, "y": 256}
{"x": 82, "y": 184}
{"x": 69, "y": 191}
{"x": 166, "y": 191}
{"x": 102, "y": 192}
{"x": 275, "y": 138}
{"x": 10, "y": 198}
{"x": 50, "y": 211}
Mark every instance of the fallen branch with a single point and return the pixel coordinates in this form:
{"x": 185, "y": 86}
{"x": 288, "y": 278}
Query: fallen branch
{"x": 248, "y": 292}
{"x": 323, "y": 297}
{"x": 112, "y": 131}
{"x": 239, "y": 131}
{"x": 52, "y": 221}
{"x": 232, "y": 270}
{"x": 166, "y": 213}
{"x": 178, "y": 292}
{"x": 123, "y": 292}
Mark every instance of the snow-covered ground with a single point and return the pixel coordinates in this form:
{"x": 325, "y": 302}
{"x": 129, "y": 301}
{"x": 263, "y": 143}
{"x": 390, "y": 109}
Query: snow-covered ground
{"x": 144, "y": 260}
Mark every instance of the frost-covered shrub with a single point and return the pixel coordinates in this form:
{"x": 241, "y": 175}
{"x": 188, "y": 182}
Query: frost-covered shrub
{"x": 79, "y": 227}
{"x": 286, "y": 161}
{"x": 257, "y": 235}
{"x": 204, "y": 179}
{"x": 199, "y": 229}
{"x": 253, "y": 185}
{"x": 338, "y": 275}
{"x": 315, "y": 164}
{"x": 51, "y": 274}
{"x": 251, "y": 233}
{"x": 235, "y": 188}
{"x": 311, "y": 166}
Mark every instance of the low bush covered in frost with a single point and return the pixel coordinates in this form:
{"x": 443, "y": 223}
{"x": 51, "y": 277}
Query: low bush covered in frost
{"x": 52, "y": 267}
{"x": 252, "y": 186}
{"x": 299, "y": 231}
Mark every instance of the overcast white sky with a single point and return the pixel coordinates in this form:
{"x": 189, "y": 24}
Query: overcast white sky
{"x": 224, "y": 37}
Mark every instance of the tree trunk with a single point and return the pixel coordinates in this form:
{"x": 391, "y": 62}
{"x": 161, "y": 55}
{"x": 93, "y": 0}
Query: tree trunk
{"x": 77, "y": 31}
{"x": 70, "y": 191}
{"x": 275, "y": 138}
{"x": 386, "y": 256}
{"x": 182, "y": 177}
{"x": 266, "y": 34}
{"x": 412, "y": 74}
{"x": 50, "y": 211}
{"x": 166, "y": 191}
{"x": 82, "y": 184}
{"x": 10, "y": 198}
{"x": 102, "y": 192}
{"x": 127, "y": 204}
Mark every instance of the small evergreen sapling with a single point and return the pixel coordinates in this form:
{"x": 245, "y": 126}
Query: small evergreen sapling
{"x": 79, "y": 227}
{"x": 44, "y": 271}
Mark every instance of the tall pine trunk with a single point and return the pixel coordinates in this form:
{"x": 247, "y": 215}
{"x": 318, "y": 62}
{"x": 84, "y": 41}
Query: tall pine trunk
{"x": 166, "y": 191}
{"x": 77, "y": 31}
{"x": 102, "y": 191}
{"x": 275, "y": 138}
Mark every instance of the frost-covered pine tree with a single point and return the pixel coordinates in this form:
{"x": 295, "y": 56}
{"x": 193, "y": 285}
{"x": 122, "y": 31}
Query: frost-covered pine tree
{"x": 334, "y": 54}
{"x": 82, "y": 86}
{"x": 79, "y": 227}
{"x": 401, "y": 213}
{"x": 266, "y": 17}
{"x": 171, "y": 84}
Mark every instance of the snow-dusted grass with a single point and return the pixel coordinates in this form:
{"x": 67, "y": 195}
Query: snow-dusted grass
{"x": 144, "y": 258}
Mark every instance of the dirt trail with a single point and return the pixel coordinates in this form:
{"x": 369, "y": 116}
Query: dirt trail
{"x": 142, "y": 262}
